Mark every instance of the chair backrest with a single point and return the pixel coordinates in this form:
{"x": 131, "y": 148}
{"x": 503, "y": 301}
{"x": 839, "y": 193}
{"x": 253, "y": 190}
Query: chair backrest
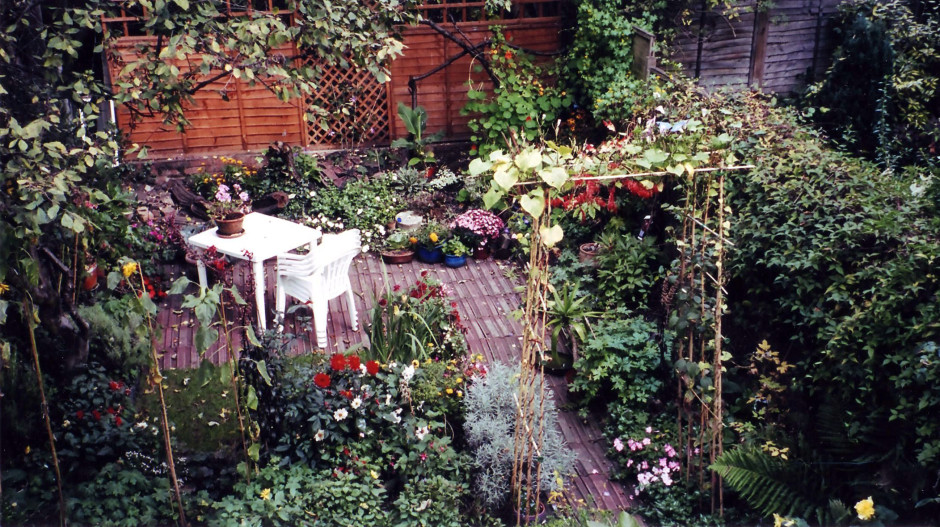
{"x": 328, "y": 263}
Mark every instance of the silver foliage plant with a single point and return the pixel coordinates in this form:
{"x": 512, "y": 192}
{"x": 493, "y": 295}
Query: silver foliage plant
{"x": 490, "y": 425}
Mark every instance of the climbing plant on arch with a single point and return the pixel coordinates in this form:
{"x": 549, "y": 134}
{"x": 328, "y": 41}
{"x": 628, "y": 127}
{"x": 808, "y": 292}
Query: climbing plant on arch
{"x": 644, "y": 161}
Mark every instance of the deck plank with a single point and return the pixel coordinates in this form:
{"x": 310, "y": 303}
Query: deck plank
{"x": 485, "y": 296}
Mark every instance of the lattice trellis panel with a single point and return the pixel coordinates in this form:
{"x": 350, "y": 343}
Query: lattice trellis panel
{"x": 356, "y": 109}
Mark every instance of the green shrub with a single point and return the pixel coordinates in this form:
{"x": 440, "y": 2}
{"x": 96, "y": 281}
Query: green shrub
{"x": 839, "y": 259}
{"x": 118, "y": 335}
{"x": 300, "y": 495}
{"x": 618, "y": 366}
{"x": 429, "y": 502}
{"x": 123, "y": 496}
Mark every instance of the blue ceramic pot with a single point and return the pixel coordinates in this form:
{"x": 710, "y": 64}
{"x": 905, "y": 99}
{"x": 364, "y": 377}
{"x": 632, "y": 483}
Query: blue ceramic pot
{"x": 435, "y": 255}
{"x": 454, "y": 261}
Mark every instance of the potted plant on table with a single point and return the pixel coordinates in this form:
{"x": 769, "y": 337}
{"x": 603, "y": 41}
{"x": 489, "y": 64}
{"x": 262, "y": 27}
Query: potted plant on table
{"x": 479, "y": 228}
{"x": 229, "y": 211}
{"x": 430, "y": 239}
{"x": 455, "y": 253}
{"x": 398, "y": 248}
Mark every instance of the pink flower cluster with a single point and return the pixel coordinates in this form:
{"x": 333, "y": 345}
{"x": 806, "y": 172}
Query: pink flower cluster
{"x": 655, "y": 467}
{"x": 481, "y": 222}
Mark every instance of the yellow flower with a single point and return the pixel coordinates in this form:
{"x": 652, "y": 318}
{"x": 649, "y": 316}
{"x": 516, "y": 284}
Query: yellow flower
{"x": 433, "y": 237}
{"x": 128, "y": 269}
{"x": 865, "y": 509}
{"x": 459, "y": 393}
{"x": 449, "y": 391}
{"x": 3, "y": 288}
{"x": 412, "y": 240}
{"x": 778, "y": 520}
{"x": 266, "y": 494}
{"x": 415, "y": 363}
{"x": 459, "y": 380}
{"x": 374, "y": 474}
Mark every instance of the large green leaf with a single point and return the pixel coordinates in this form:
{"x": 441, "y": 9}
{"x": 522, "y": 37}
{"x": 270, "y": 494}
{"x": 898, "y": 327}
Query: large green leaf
{"x": 533, "y": 202}
{"x": 554, "y": 176}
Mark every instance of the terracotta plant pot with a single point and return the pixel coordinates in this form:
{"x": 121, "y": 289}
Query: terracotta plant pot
{"x": 481, "y": 253}
{"x": 230, "y": 225}
{"x": 402, "y": 256}
{"x": 90, "y": 281}
{"x": 525, "y": 518}
{"x": 588, "y": 251}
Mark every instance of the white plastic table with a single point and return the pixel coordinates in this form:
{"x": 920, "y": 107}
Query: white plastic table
{"x": 265, "y": 237}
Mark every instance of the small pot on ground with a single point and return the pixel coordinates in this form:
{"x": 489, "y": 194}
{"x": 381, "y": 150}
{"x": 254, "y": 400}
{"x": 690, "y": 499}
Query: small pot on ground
{"x": 587, "y": 252}
{"x": 454, "y": 261}
{"x": 432, "y": 256}
{"x": 481, "y": 253}
{"x": 401, "y": 256}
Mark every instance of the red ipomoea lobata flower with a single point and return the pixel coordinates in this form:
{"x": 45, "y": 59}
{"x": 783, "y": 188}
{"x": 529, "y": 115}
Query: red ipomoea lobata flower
{"x": 117, "y": 420}
{"x": 372, "y": 367}
{"x": 111, "y": 411}
{"x": 338, "y": 362}
{"x": 96, "y": 414}
{"x": 80, "y": 415}
{"x": 114, "y": 385}
{"x": 322, "y": 380}
{"x": 353, "y": 361}
{"x": 508, "y": 55}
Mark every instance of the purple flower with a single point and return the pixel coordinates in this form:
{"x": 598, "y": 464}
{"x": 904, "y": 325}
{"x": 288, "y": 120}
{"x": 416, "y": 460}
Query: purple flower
{"x": 618, "y": 444}
{"x": 243, "y": 196}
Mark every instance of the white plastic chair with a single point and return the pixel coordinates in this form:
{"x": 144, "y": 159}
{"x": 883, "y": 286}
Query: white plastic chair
{"x": 318, "y": 277}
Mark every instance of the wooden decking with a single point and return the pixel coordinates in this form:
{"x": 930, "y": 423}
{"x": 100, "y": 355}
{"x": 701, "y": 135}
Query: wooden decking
{"x": 485, "y": 295}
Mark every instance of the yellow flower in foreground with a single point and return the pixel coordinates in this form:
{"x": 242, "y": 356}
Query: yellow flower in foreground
{"x": 865, "y": 509}
{"x": 129, "y": 268}
{"x": 433, "y": 237}
{"x": 3, "y": 288}
{"x": 450, "y": 391}
{"x": 778, "y": 520}
{"x": 266, "y": 494}
{"x": 415, "y": 363}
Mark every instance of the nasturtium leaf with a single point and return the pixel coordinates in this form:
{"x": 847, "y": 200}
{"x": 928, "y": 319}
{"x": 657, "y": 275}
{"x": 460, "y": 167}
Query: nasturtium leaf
{"x": 551, "y": 236}
{"x": 555, "y": 176}
{"x": 655, "y": 156}
{"x": 533, "y": 202}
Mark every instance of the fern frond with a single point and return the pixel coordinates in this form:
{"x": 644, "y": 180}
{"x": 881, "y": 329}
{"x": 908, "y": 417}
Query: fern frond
{"x": 772, "y": 485}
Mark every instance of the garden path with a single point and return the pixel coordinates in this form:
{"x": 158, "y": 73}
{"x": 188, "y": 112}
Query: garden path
{"x": 486, "y": 294}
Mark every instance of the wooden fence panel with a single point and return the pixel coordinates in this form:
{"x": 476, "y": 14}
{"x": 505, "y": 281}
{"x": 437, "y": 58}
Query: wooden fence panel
{"x": 780, "y": 49}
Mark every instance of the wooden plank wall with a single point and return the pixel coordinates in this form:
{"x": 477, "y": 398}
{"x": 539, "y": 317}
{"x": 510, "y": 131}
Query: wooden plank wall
{"x": 251, "y": 119}
{"x": 780, "y": 49}
{"x": 445, "y": 93}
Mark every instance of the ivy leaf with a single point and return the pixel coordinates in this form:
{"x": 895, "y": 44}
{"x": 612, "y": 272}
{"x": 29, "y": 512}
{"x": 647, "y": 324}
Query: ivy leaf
{"x": 479, "y": 166}
{"x": 655, "y": 156}
{"x": 492, "y": 196}
{"x": 555, "y": 176}
{"x": 533, "y": 202}
{"x": 506, "y": 177}
{"x": 528, "y": 159}
{"x": 252, "y": 400}
{"x": 551, "y": 236}
{"x": 204, "y": 338}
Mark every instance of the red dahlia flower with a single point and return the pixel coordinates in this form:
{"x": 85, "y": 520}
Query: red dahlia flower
{"x": 353, "y": 361}
{"x": 322, "y": 380}
{"x": 338, "y": 362}
{"x": 372, "y": 367}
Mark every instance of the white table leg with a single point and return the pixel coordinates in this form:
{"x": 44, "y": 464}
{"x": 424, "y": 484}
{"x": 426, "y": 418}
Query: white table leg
{"x": 257, "y": 268}
{"x": 201, "y": 269}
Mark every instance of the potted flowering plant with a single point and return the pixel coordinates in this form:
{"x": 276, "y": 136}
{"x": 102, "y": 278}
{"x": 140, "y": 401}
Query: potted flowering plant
{"x": 430, "y": 238}
{"x": 229, "y": 211}
{"x": 398, "y": 248}
{"x": 455, "y": 253}
{"x": 480, "y": 228}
